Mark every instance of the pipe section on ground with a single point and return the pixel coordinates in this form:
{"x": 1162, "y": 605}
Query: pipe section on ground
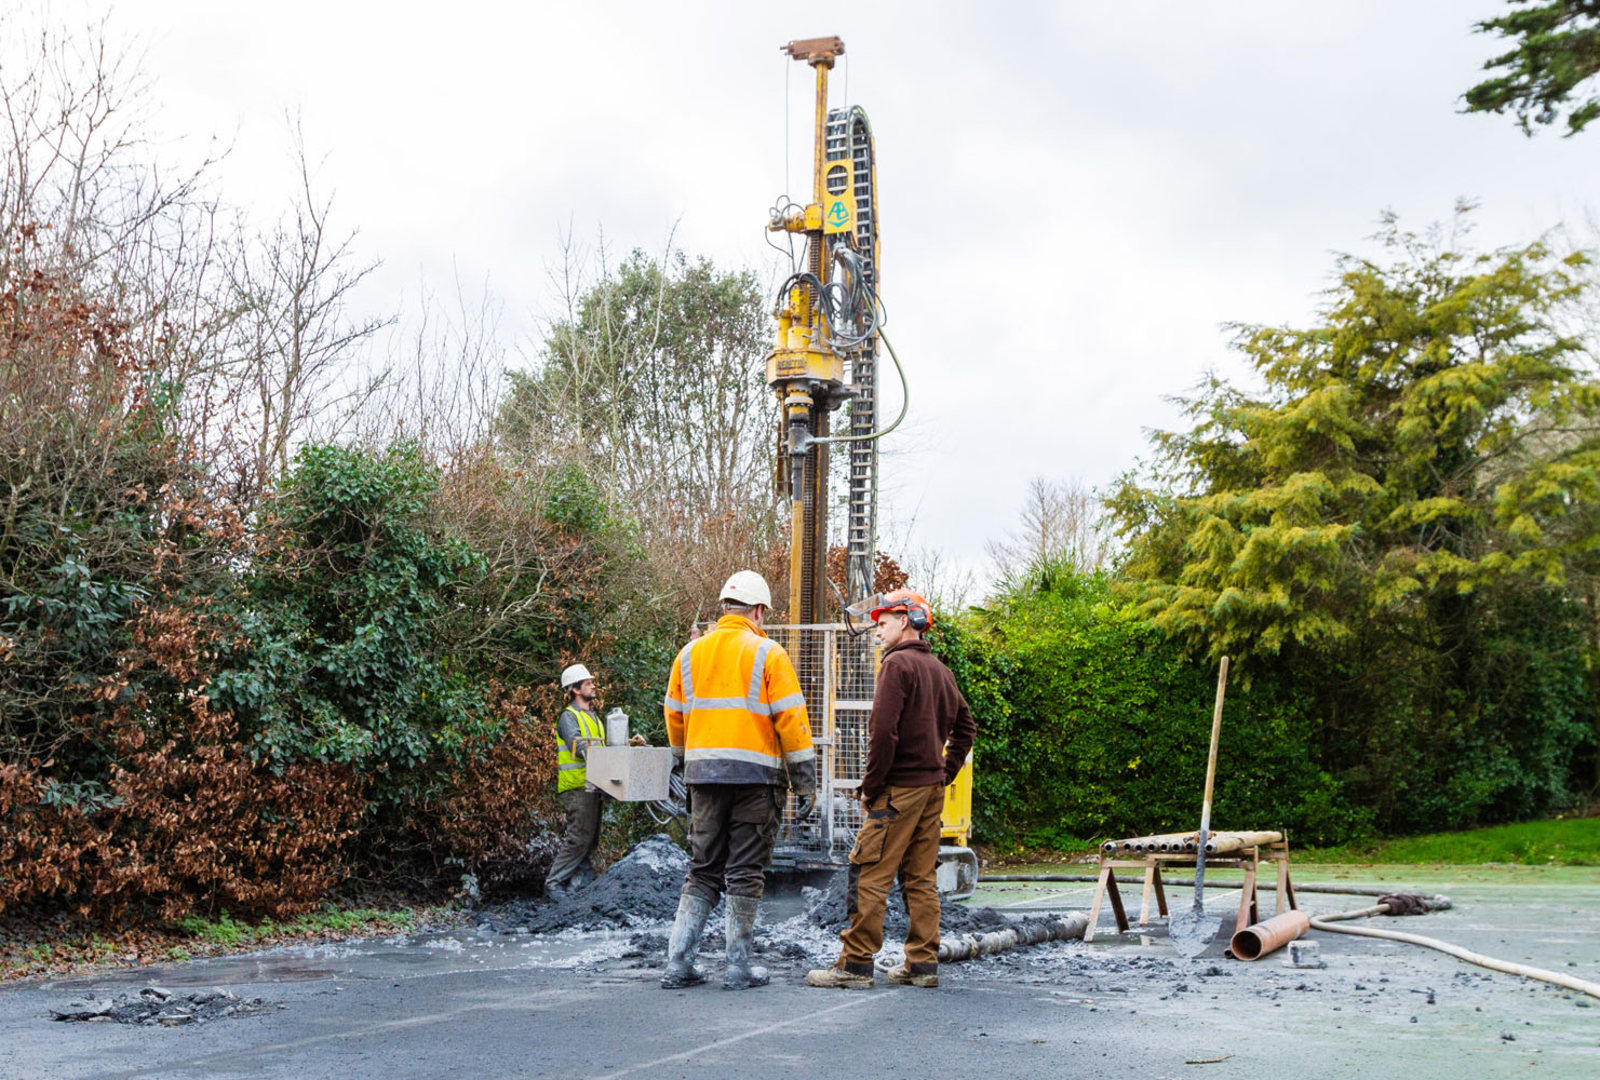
{"x": 968, "y": 946}
{"x": 1254, "y": 942}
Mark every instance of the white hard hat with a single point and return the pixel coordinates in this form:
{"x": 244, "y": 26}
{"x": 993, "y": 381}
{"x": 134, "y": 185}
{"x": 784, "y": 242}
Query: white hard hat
{"x": 574, "y": 675}
{"x": 749, "y": 588}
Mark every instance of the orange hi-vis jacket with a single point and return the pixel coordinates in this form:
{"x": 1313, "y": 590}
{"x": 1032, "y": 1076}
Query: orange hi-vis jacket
{"x": 735, "y": 713}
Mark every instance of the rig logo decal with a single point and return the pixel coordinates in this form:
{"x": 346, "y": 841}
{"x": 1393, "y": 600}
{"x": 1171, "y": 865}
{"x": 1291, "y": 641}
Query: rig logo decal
{"x": 838, "y": 213}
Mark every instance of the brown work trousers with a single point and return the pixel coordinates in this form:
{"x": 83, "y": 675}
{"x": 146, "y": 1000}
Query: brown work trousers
{"x": 900, "y": 837}
{"x": 572, "y": 863}
{"x": 732, "y": 828}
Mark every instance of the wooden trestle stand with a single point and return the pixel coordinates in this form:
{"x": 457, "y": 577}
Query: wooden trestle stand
{"x": 1246, "y": 856}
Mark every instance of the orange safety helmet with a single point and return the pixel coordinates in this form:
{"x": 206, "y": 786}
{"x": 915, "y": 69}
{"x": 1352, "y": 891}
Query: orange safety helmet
{"x": 918, "y": 613}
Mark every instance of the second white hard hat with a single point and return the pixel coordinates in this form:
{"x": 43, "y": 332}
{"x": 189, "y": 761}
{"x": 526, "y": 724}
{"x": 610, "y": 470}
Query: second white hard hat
{"x": 747, "y": 587}
{"x": 574, "y": 675}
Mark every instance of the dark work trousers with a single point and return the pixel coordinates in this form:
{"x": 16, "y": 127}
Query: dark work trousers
{"x": 572, "y": 863}
{"x": 900, "y": 838}
{"x": 731, "y": 831}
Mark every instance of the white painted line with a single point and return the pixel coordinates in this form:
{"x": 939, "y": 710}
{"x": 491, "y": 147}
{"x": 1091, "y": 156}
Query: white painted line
{"x": 855, "y": 1003}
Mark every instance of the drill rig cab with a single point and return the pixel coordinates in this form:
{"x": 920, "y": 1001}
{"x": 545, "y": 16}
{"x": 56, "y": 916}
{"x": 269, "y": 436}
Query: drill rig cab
{"x": 825, "y": 358}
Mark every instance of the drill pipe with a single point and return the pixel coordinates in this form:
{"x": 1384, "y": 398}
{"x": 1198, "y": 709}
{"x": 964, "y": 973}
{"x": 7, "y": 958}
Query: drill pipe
{"x": 1143, "y": 844}
{"x": 967, "y": 946}
{"x": 1223, "y": 843}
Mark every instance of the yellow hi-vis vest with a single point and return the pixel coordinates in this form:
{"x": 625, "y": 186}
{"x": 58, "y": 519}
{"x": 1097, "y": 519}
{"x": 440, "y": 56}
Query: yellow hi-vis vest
{"x": 570, "y": 773}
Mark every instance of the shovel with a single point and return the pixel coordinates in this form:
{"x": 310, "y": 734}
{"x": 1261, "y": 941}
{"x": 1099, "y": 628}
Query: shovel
{"x": 1193, "y": 930}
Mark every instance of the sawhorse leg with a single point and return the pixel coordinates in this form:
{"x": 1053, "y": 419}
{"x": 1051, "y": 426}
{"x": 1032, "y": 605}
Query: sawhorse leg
{"x": 1106, "y": 886}
{"x": 1248, "y": 910}
{"x": 1152, "y": 886}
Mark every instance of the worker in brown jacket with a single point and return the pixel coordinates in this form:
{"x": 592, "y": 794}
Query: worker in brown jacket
{"x": 917, "y": 740}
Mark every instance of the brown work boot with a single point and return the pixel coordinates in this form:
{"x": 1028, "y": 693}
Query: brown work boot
{"x": 846, "y": 977}
{"x": 904, "y": 976}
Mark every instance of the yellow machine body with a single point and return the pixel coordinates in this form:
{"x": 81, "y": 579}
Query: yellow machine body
{"x": 956, "y": 823}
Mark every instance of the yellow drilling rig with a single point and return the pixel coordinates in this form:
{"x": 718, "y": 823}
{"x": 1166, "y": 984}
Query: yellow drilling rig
{"x": 826, "y": 358}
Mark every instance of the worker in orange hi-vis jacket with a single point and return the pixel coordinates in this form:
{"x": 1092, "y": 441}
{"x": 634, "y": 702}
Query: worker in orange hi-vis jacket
{"x": 737, "y": 722}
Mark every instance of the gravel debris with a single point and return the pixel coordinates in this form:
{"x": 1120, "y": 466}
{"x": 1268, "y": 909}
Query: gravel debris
{"x": 639, "y": 889}
{"x": 155, "y": 1006}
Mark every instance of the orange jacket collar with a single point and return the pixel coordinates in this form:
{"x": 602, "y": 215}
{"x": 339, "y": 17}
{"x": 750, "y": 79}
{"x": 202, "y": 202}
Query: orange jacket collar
{"x": 738, "y": 622}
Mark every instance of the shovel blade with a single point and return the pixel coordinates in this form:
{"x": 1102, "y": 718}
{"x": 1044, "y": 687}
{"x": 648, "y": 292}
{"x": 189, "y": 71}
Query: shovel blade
{"x": 1193, "y": 931}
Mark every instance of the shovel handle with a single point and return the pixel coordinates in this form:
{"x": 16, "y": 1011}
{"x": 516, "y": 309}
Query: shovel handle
{"x": 1211, "y": 757}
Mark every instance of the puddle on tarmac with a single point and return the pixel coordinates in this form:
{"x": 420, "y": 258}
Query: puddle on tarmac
{"x": 393, "y": 958}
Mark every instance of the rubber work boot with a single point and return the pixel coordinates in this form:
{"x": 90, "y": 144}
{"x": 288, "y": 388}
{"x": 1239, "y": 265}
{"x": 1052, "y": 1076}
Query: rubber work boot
{"x": 740, "y": 929}
{"x": 904, "y": 976}
{"x": 840, "y": 978}
{"x": 693, "y": 911}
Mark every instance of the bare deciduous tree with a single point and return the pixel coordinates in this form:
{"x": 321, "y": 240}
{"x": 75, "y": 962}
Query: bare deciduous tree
{"x": 293, "y": 287}
{"x": 1060, "y": 522}
{"x": 653, "y": 381}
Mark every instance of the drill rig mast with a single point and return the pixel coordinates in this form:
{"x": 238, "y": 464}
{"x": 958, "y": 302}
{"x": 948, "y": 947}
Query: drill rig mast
{"x": 827, "y": 347}
{"x": 826, "y": 356}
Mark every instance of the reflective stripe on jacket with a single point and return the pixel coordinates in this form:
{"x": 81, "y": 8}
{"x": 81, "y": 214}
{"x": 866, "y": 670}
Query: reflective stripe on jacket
{"x": 734, "y": 709}
{"x": 578, "y": 724}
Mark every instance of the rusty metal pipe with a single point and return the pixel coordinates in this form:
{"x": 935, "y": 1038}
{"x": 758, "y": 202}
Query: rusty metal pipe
{"x": 1222, "y": 843}
{"x": 1254, "y": 942}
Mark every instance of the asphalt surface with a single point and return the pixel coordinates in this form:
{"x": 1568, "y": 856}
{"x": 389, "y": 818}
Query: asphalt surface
{"x": 587, "y": 1005}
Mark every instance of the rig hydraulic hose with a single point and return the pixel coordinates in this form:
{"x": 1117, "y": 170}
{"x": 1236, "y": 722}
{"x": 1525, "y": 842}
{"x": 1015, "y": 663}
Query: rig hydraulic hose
{"x": 905, "y": 404}
{"x": 1329, "y": 923}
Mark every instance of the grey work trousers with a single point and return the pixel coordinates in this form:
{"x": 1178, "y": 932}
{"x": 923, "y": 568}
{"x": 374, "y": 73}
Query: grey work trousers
{"x": 582, "y": 836}
{"x": 732, "y": 828}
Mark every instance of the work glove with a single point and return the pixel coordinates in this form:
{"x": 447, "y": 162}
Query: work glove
{"x": 803, "y": 805}
{"x": 803, "y": 777}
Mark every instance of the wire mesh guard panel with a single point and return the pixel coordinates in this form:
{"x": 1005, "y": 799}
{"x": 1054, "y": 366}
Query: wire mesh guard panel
{"x": 838, "y": 674}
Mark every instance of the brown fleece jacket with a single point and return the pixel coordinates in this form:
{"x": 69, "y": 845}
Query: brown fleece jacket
{"x": 920, "y": 729}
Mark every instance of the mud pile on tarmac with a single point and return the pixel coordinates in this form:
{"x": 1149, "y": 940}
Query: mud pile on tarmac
{"x": 641, "y": 887}
{"x": 828, "y": 909}
{"x": 153, "y": 1005}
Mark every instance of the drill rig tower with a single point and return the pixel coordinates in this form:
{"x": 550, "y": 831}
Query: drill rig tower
{"x": 825, "y": 357}
{"x": 827, "y": 347}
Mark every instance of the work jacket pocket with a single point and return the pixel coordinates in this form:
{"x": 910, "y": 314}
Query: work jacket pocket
{"x": 869, "y": 843}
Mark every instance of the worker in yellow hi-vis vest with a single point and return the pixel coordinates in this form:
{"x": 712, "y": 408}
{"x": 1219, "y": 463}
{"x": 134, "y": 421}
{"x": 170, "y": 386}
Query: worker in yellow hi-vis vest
{"x": 573, "y": 868}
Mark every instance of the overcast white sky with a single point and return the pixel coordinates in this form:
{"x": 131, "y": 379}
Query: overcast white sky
{"x": 1074, "y": 196}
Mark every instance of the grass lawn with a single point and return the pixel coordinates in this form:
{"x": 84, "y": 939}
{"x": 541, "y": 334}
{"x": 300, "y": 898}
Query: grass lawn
{"x": 1573, "y": 842}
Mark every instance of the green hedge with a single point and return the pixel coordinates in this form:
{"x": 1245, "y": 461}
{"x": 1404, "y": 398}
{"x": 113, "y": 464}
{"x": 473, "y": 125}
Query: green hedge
{"x": 1090, "y": 725}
